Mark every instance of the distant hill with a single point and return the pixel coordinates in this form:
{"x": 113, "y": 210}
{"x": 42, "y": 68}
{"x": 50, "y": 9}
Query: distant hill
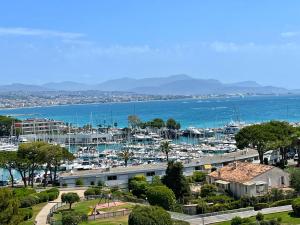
{"x": 172, "y": 85}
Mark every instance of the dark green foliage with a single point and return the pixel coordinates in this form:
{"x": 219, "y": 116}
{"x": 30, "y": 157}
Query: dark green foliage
{"x": 199, "y": 176}
{"x": 92, "y": 183}
{"x": 161, "y": 196}
{"x": 9, "y": 208}
{"x": 155, "y": 123}
{"x": 208, "y": 190}
{"x": 156, "y": 181}
{"x": 92, "y": 191}
{"x": 26, "y": 213}
{"x": 29, "y": 201}
{"x": 175, "y": 180}
{"x": 282, "y": 202}
{"x": 296, "y": 206}
{"x": 70, "y": 198}
{"x": 6, "y": 123}
{"x": 79, "y": 182}
{"x": 23, "y": 192}
{"x": 138, "y": 186}
{"x": 295, "y": 179}
{"x": 202, "y": 206}
{"x": 149, "y": 215}
{"x": 259, "y": 217}
{"x": 172, "y": 124}
{"x": 260, "y": 206}
{"x": 238, "y": 221}
{"x": 100, "y": 183}
{"x": 219, "y": 199}
{"x": 71, "y": 218}
{"x": 43, "y": 196}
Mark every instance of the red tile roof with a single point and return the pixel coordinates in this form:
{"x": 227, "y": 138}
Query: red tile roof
{"x": 240, "y": 172}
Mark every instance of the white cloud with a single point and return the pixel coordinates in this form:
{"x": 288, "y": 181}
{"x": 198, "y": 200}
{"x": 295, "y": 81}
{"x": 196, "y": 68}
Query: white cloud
{"x": 22, "y": 31}
{"x": 219, "y": 46}
{"x": 290, "y": 34}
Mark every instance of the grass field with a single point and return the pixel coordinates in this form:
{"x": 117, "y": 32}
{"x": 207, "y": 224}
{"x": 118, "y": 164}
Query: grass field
{"x": 111, "y": 221}
{"x": 36, "y": 210}
{"x": 287, "y": 218}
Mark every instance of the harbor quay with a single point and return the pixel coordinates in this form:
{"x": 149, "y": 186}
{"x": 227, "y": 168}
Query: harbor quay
{"x": 119, "y": 176}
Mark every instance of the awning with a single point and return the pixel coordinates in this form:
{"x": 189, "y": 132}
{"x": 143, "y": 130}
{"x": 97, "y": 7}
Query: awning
{"x": 222, "y": 182}
{"x": 260, "y": 182}
{"x": 249, "y": 183}
{"x": 207, "y": 167}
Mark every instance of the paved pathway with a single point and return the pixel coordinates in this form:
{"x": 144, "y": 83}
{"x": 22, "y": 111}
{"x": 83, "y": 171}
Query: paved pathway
{"x": 41, "y": 218}
{"x": 226, "y": 217}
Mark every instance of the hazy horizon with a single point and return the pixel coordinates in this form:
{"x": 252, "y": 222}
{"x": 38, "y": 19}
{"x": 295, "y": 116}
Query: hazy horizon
{"x": 231, "y": 41}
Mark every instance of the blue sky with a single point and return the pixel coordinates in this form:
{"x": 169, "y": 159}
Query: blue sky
{"x": 92, "y": 41}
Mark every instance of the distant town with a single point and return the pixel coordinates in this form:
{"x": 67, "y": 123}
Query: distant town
{"x": 22, "y": 99}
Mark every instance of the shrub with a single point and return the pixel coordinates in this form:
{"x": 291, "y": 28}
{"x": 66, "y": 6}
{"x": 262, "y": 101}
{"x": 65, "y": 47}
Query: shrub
{"x": 202, "y": 206}
{"x": 89, "y": 191}
{"x": 199, "y": 176}
{"x": 208, "y": 190}
{"x": 149, "y": 215}
{"x": 92, "y": 183}
{"x": 65, "y": 185}
{"x": 100, "y": 183}
{"x": 71, "y": 218}
{"x": 259, "y": 217}
{"x": 23, "y": 192}
{"x": 29, "y": 201}
{"x": 296, "y": 206}
{"x": 79, "y": 182}
{"x": 43, "y": 196}
{"x": 236, "y": 220}
{"x": 282, "y": 203}
{"x": 219, "y": 199}
{"x": 53, "y": 190}
{"x": 26, "y": 213}
{"x": 220, "y": 207}
{"x": 260, "y": 206}
{"x": 161, "y": 196}
{"x": 52, "y": 196}
{"x": 138, "y": 187}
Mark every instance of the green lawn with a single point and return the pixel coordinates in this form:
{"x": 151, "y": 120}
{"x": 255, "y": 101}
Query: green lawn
{"x": 36, "y": 210}
{"x": 287, "y": 218}
{"x": 111, "y": 221}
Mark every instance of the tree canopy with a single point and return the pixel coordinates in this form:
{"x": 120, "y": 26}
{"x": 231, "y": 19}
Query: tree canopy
{"x": 176, "y": 181}
{"x": 149, "y": 215}
{"x": 70, "y": 198}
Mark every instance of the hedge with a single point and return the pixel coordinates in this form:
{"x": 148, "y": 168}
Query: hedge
{"x": 260, "y": 206}
{"x": 296, "y": 206}
{"x": 149, "y": 215}
{"x": 161, "y": 196}
{"x": 282, "y": 203}
{"x": 26, "y": 213}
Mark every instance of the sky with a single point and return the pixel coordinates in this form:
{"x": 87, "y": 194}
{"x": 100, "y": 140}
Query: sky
{"x": 96, "y": 40}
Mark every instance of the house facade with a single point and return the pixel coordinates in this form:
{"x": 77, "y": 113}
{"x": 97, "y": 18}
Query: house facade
{"x": 248, "y": 179}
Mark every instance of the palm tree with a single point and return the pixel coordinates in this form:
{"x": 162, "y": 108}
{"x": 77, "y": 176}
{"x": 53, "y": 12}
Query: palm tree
{"x": 166, "y": 148}
{"x": 126, "y": 154}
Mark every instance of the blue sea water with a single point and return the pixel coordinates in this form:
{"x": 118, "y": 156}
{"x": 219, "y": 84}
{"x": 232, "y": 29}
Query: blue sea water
{"x": 193, "y": 112}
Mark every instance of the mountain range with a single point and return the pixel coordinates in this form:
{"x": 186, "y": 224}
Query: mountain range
{"x": 171, "y": 85}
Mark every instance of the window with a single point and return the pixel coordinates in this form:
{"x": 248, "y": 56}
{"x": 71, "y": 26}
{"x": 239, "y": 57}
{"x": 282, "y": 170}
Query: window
{"x": 197, "y": 167}
{"x": 282, "y": 180}
{"x": 246, "y": 189}
{"x": 150, "y": 174}
{"x": 111, "y": 177}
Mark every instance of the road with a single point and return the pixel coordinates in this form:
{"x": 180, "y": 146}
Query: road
{"x": 194, "y": 220}
{"x": 41, "y": 218}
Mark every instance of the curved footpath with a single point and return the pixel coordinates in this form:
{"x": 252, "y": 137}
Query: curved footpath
{"x": 41, "y": 218}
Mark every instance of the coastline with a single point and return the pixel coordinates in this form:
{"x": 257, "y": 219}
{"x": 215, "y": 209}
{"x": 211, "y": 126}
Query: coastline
{"x": 143, "y": 101}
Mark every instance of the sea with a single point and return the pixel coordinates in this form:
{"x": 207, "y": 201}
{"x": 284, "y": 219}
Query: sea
{"x": 202, "y": 113}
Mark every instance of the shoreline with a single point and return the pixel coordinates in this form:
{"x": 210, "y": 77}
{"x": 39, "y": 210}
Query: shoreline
{"x": 143, "y": 101}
